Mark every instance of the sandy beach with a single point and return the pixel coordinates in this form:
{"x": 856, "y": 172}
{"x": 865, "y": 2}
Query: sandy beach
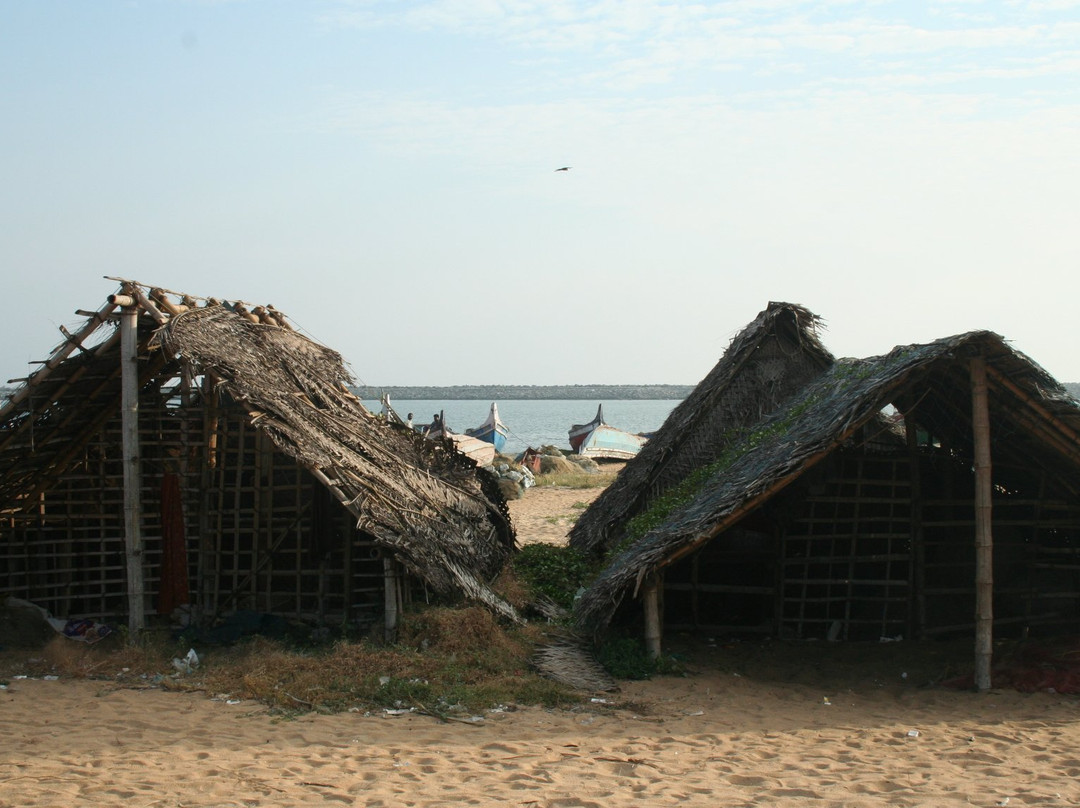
{"x": 748, "y": 725}
{"x": 546, "y": 514}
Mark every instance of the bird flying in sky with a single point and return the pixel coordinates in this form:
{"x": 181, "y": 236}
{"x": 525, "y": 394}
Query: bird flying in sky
{"x": 564, "y": 168}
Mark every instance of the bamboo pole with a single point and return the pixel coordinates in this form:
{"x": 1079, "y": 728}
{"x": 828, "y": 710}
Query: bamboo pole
{"x": 984, "y": 538}
{"x": 258, "y": 504}
{"x": 148, "y": 306}
{"x": 1014, "y": 388}
{"x": 129, "y": 357}
{"x": 65, "y": 349}
{"x": 160, "y": 300}
{"x": 220, "y": 472}
{"x": 28, "y": 423}
{"x": 212, "y": 397}
{"x": 238, "y": 512}
{"x": 203, "y": 517}
{"x": 390, "y": 599}
{"x": 917, "y": 617}
{"x": 653, "y": 631}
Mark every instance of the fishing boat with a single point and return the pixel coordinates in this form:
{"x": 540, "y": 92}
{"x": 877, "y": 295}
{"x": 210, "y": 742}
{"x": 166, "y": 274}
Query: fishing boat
{"x": 480, "y": 451}
{"x": 597, "y": 439}
{"x": 578, "y": 432}
{"x": 493, "y": 430}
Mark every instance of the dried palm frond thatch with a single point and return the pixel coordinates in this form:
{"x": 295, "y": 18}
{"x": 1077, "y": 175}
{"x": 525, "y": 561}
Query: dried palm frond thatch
{"x": 570, "y": 662}
{"x": 774, "y": 356}
{"x": 419, "y": 499}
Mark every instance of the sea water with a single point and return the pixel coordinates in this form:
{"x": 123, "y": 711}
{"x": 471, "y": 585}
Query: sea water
{"x": 536, "y": 422}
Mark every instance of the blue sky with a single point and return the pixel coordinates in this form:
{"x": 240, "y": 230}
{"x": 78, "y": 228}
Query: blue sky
{"x": 384, "y": 173}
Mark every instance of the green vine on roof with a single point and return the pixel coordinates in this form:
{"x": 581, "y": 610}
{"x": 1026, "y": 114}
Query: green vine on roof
{"x": 738, "y": 442}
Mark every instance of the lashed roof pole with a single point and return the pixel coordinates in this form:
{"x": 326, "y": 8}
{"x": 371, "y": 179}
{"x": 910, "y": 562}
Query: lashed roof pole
{"x": 984, "y": 536}
{"x": 71, "y": 343}
{"x": 129, "y": 409}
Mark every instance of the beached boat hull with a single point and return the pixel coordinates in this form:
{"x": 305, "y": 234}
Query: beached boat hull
{"x": 479, "y": 450}
{"x": 597, "y": 439}
{"x": 607, "y": 442}
{"x": 493, "y": 430}
{"x": 579, "y": 432}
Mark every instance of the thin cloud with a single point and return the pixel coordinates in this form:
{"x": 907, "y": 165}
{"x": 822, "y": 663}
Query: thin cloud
{"x": 653, "y": 43}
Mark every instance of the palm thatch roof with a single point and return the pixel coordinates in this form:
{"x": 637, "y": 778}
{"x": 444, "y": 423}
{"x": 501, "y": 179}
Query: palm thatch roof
{"x": 771, "y": 358}
{"x": 421, "y": 500}
{"x": 1031, "y": 414}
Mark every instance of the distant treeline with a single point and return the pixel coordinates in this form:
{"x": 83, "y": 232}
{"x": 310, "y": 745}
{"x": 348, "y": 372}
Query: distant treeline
{"x": 568, "y": 392}
{"x": 503, "y": 392}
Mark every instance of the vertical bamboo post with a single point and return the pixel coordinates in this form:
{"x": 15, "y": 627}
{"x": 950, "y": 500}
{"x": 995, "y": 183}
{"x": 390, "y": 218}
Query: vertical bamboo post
{"x": 917, "y": 602}
{"x": 129, "y": 374}
{"x": 206, "y": 476}
{"x": 257, "y": 506}
{"x": 653, "y": 635}
{"x": 984, "y": 538}
{"x": 390, "y": 599}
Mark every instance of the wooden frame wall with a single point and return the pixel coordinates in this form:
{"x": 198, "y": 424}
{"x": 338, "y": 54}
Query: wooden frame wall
{"x": 876, "y": 545}
{"x": 278, "y": 540}
{"x": 261, "y": 533}
{"x": 67, "y": 552}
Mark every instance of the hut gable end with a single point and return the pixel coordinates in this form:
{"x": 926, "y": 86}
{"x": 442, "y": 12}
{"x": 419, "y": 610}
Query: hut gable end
{"x": 773, "y": 357}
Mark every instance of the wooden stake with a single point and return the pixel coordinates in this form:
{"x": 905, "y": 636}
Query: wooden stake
{"x": 917, "y": 575}
{"x": 129, "y": 357}
{"x": 984, "y": 537}
{"x": 653, "y": 635}
{"x": 391, "y": 599}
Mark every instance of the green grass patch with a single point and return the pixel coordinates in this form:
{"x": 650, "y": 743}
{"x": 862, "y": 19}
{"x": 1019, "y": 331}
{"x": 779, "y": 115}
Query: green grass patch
{"x": 739, "y": 442}
{"x": 557, "y": 572}
{"x": 627, "y": 658}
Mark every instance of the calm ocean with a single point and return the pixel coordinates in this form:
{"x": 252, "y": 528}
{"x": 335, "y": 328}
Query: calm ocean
{"x": 537, "y": 423}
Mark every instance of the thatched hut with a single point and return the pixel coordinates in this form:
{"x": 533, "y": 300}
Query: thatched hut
{"x": 176, "y": 452}
{"x": 874, "y": 502}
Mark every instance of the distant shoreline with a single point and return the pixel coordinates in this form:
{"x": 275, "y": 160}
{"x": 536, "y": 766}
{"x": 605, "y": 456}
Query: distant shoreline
{"x": 510, "y": 392}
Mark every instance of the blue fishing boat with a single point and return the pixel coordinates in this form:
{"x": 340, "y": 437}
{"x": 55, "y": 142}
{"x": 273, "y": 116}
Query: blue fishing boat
{"x": 493, "y": 430}
{"x": 597, "y": 439}
{"x": 481, "y": 452}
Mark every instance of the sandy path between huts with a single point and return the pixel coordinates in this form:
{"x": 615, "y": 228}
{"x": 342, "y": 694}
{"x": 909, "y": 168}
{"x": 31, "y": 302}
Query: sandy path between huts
{"x": 546, "y": 513}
